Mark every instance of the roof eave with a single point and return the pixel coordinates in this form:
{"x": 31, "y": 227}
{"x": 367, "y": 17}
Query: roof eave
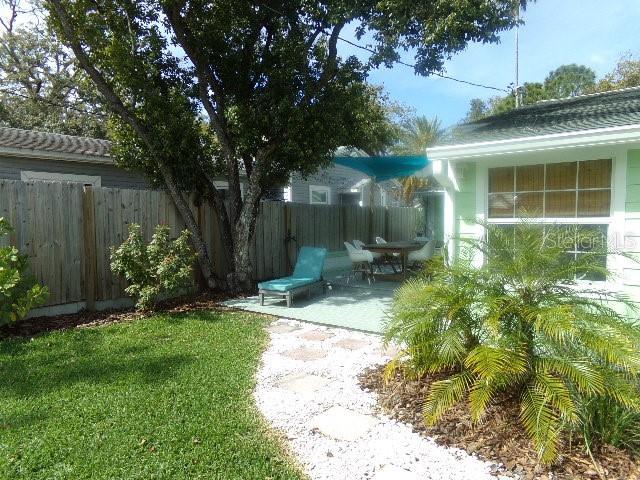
{"x": 48, "y": 155}
{"x": 582, "y": 138}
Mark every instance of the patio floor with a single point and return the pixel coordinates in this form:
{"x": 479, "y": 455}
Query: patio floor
{"x": 358, "y": 306}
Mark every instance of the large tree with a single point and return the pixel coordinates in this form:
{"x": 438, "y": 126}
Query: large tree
{"x": 569, "y": 81}
{"x": 41, "y": 88}
{"x": 530, "y": 92}
{"x": 276, "y": 95}
{"x": 625, "y": 74}
{"x": 564, "y": 81}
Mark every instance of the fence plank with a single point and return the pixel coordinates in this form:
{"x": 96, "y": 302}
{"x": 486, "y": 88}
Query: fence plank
{"x": 52, "y": 225}
{"x": 89, "y": 240}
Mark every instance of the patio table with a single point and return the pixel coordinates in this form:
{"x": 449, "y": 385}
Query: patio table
{"x": 403, "y": 248}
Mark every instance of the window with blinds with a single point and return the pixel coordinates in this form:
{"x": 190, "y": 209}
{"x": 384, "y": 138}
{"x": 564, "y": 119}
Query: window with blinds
{"x": 554, "y": 190}
{"x": 561, "y": 195}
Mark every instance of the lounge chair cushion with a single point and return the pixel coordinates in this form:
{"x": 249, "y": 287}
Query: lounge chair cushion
{"x": 310, "y": 263}
{"x": 285, "y": 284}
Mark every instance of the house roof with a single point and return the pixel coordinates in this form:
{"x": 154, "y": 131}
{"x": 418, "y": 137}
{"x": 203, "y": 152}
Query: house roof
{"x": 24, "y": 141}
{"x": 585, "y": 112}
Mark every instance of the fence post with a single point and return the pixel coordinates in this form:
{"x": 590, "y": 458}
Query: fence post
{"x": 386, "y": 223}
{"x": 89, "y": 234}
{"x": 286, "y": 240}
{"x": 343, "y": 224}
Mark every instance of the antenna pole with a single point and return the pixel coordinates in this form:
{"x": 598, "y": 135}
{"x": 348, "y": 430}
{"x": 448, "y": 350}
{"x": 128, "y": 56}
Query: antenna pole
{"x": 517, "y": 89}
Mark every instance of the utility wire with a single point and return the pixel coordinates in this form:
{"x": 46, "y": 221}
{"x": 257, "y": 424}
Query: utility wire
{"x": 437, "y": 74}
{"x": 345, "y": 40}
{"x": 400, "y": 62}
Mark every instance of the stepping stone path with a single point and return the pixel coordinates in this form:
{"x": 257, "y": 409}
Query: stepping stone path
{"x": 390, "y": 350}
{"x": 305, "y": 354}
{"x": 351, "y": 344}
{"x": 334, "y": 428}
{"x": 302, "y": 383}
{"x": 316, "y": 335}
{"x": 343, "y": 424}
{"x": 282, "y": 328}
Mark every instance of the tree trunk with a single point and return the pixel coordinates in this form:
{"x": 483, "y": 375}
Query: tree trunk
{"x": 118, "y": 107}
{"x": 240, "y": 279}
{"x": 200, "y": 247}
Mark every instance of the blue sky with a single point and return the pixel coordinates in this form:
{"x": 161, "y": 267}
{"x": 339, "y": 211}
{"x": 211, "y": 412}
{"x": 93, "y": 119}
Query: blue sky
{"x": 590, "y": 32}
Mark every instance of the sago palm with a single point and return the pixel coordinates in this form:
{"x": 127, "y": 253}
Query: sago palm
{"x": 522, "y": 322}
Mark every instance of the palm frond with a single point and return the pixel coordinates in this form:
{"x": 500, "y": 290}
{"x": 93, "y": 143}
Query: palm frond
{"x": 557, "y": 322}
{"x": 541, "y": 422}
{"x": 491, "y": 363}
{"x": 480, "y": 396}
{"x": 583, "y": 375}
{"x": 444, "y": 394}
{"x": 557, "y": 394}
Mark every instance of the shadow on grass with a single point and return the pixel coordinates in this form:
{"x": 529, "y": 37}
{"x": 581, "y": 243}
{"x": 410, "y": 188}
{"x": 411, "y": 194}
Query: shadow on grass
{"x": 21, "y": 421}
{"x": 29, "y": 369}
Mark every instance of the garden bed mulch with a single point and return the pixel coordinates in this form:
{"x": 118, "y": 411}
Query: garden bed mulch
{"x": 36, "y": 325}
{"x": 498, "y": 438}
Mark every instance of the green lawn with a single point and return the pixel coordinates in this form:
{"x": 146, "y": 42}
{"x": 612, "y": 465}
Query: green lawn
{"x": 166, "y": 397}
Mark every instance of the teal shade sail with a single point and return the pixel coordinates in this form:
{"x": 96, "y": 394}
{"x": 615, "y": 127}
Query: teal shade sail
{"x": 385, "y": 167}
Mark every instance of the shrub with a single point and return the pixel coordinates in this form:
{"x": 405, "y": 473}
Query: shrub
{"x": 522, "y": 323}
{"x": 19, "y": 291}
{"x": 161, "y": 267}
{"x": 604, "y": 421}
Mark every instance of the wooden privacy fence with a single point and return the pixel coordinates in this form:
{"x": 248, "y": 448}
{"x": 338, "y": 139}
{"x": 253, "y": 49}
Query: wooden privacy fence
{"x": 67, "y": 229}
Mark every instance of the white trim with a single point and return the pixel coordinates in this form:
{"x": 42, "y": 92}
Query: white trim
{"x": 449, "y": 223}
{"x": 383, "y": 198}
{"x": 287, "y": 193}
{"x": 583, "y": 138}
{"x": 30, "y": 176}
{"x": 322, "y": 189}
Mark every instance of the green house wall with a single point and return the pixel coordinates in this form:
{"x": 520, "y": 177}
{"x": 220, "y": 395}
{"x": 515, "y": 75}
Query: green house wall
{"x": 631, "y": 278}
{"x": 465, "y": 203}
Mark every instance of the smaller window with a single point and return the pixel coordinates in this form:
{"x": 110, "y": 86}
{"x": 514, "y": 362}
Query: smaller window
{"x": 319, "y": 195}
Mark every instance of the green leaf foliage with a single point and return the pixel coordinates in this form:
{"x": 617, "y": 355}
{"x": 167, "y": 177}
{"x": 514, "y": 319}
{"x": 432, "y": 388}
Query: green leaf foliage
{"x": 41, "y": 87}
{"x": 565, "y": 81}
{"x": 19, "y": 291}
{"x": 160, "y": 267}
{"x": 523, "y": 322}
{"x": 625, "y": 74}
{"x": 255, "y": 90}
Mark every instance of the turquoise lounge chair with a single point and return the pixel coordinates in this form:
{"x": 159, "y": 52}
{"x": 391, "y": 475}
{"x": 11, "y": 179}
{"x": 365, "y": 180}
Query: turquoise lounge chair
{"x": 306, "y": 275}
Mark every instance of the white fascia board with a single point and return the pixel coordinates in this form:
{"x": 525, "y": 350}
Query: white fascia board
{"x": 443, "y": 173}
{"x": 426, "y": 171}
{"x": 584, "y": 138}
{"x": 45, "y": 155}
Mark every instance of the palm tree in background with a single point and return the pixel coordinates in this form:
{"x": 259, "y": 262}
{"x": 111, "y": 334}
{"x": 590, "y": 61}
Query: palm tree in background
{"x": 415, "y": 135}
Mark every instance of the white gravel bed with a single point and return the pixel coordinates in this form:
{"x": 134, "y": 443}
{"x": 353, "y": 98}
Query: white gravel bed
{"x": 388, "y": 450}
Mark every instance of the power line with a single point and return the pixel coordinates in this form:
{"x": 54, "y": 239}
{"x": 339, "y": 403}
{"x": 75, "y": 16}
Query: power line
{"x": 437, "y": 74}
{"x": 400, "y": 62}
{"x": 345, "y": 40}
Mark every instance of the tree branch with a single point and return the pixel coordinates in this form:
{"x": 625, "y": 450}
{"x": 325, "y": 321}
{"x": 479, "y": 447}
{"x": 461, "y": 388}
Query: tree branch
{"x": 332, "y": 65}
{"x": 206, "y": 81}
{"x": 118, "y": 107}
